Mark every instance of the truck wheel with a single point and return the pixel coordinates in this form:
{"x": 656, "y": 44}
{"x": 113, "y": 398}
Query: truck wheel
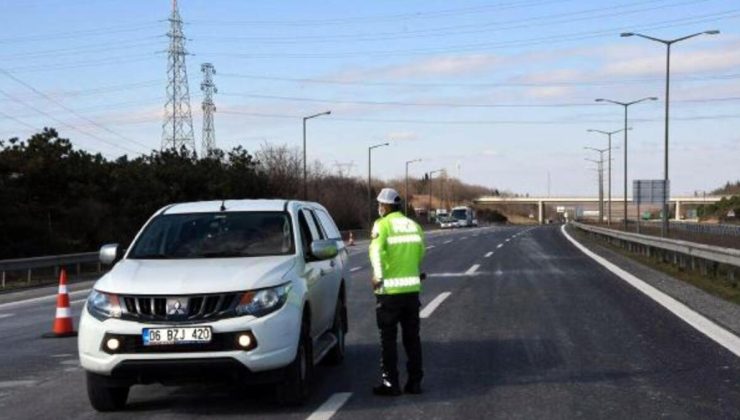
{"x": 336, "y": 354}
{"x": 296, "y": 387}
{"x": 103, "y": 396}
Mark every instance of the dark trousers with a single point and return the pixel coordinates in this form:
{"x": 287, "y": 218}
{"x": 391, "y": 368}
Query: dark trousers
{"x": 390, "y": 311}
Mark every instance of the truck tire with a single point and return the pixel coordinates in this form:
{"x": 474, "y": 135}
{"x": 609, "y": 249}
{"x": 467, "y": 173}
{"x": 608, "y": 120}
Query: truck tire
{"x": 296, "y": 387}
{"x": 335, "y": 356}
{"x": 103, "y": 395}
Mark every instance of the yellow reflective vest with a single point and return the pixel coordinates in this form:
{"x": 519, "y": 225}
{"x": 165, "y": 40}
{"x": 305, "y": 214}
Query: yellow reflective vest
{"x": 396, "y": 252}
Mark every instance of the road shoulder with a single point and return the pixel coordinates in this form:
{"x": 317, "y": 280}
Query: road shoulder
{"x": 722, "y": 312}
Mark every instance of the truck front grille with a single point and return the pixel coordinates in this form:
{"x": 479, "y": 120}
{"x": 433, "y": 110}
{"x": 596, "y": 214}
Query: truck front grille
{"x": 191, "y": 308}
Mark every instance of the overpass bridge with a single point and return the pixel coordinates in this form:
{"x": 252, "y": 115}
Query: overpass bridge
{"x": 678, "y": 204}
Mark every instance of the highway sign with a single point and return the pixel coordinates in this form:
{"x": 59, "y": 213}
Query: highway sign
{"x": 649, "y": 191}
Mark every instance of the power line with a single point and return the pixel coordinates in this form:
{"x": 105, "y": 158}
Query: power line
{"x": 542, "y": 40}
{"x": 478, "y": 122}
{"x": 80, "y": 33}
{"x": 481, "y": 84}
{"x": 61, "y": 105}
{"x": 64, "y": 124}
{"x": 384, "y": 18}
{"x": 451, "y": 104}
{"x": 123, "y": 59}
{"x": 81, "y": 50}
{"x": 550, "y": 19}
{"x": 106, "y": 89}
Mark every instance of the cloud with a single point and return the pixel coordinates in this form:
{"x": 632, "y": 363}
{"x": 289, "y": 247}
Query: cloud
{"x": 491, "y": 153}
{"x": 440, "y": 66}
{"x": 402, "y": 136}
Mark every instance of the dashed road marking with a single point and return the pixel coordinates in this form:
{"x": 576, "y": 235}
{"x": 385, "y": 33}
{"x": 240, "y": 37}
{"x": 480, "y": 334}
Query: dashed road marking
{"x": 5, "y": 315}
{"x": 330, "y": 406}
{"x": 447, "y": 242}
{"x": 430, "y": 247}
{"x": 16, "y": 384}
{"x": 431, "y": 306}
{"x": 499, "y": 245}
{"x": 463, "y": 238}
{"x": 488, "y": 254}
{"x": 507, "y": 239}
{"x": 353, "y": 269}
{"x": 472, "y": 269}
{"x": 77, "y": 301}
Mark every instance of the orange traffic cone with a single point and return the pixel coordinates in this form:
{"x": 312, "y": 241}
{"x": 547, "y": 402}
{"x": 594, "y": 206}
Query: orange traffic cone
{"x": 63, "y": 321}
{"x": 351, "y": 239}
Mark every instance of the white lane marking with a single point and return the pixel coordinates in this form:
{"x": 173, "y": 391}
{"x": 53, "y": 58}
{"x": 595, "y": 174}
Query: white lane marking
{"x": 472, "y": 269}
{"x": 715, "y": 332}
{"x": 488, "y": 254}
{"x": 499, "y": 245}
{"x": 60, "y": 355}
{"x": 431, "y": 306}
{"x": 41, "y": 299}
{"x": 447, "y": 242}
{"x": 463, "y": 238}
{"x": 5, "y": 315}
{"x": 330, "y": 407}
{"x": 507, "y": 239}
{"x": 430, "y": 247}
{"x": 74, "y": 302}
{"x": 16, "y": 384}
{"x": 353, "y": 269}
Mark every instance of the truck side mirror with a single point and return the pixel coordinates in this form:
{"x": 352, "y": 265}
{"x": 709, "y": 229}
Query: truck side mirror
{"x": 109, "y": 254}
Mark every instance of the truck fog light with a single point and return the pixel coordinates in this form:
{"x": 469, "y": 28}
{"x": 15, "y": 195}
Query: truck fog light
{"x": 244, "y": 340}
{"x": 113, "y": 344}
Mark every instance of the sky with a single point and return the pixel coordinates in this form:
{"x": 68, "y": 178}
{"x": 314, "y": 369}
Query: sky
{"x": 498, "y": 93}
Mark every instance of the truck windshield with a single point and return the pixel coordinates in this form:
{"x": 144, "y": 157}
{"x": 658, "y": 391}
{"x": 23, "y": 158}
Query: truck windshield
{"x": 460, "y": 214}
{"x": 215, "y": 235}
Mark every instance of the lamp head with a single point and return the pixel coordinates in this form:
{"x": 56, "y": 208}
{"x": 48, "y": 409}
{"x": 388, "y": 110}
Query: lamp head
{"x": 626, "y": 34}
{"x": 712, "y": 32}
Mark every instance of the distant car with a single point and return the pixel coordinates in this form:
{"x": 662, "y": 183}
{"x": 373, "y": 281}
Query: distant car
{"x": 250, "y": 291}
{"x": 447, "y": 223}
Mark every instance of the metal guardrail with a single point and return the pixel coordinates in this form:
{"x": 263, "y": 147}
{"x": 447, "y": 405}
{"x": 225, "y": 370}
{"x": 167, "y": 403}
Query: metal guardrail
{"x": 683, "y": 253}
{"x": 27, "y": 265}
{"x": 706, "y": 228}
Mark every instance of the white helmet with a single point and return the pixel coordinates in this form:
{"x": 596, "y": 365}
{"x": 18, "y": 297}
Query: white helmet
{"x": 389, "y": 196}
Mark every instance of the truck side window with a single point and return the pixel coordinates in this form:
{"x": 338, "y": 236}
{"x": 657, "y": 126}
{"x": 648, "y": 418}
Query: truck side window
{"x": 305, "y": 233}
{"x": 316, "y": 234}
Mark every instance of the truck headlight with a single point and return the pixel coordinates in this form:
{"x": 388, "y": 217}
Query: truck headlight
{"x": 264, "y": 301}
{"x": 103, "y": 305}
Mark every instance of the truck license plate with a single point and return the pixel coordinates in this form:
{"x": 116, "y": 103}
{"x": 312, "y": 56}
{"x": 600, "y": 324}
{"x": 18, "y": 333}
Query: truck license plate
{"x": 184, "y": 335}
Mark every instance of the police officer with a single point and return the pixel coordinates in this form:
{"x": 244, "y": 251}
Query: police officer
{"x": 396, "y": 252}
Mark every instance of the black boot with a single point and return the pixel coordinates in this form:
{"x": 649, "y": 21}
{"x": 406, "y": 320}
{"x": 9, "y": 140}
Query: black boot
{"x": 387, "y": 388}
{"x": 412, "y": 387}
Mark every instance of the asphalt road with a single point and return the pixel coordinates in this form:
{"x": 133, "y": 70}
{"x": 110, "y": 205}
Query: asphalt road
{"x": 530, "y": 328}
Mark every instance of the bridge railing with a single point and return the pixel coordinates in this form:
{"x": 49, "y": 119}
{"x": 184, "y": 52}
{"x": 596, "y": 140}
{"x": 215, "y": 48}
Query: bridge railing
{"x": 47, "y": 264}
{"x": 710, "y": 260}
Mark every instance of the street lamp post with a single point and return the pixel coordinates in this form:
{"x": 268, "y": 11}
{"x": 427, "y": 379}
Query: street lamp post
{"x": 305, "y": 172}
{"x": 406, "y": 192}
{"x": 431, "y": 174}
{"x": 369, "y": 181}
{"x": 667, "y": 43}
{"x": 609, "y": 185}
{"x": 626, "y": 105}
{"x": 600, "y": 162}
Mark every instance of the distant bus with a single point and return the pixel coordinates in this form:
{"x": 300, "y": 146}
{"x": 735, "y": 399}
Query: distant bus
{"x": 465, "y": 216}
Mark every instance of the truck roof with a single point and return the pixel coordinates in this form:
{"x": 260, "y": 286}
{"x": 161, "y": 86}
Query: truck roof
{"x": 231, "y": 205}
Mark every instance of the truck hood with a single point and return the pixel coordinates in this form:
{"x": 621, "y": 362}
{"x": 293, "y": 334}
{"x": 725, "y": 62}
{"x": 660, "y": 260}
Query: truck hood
{"x": 195, "y": 276}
